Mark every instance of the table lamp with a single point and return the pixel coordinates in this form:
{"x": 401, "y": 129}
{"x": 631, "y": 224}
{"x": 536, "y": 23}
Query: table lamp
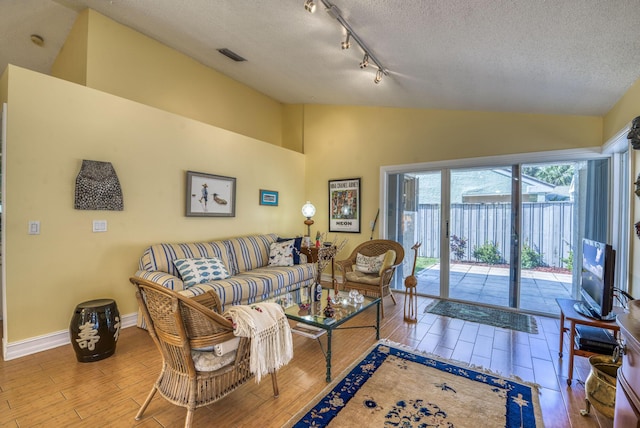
{"x": 308, "y": 210}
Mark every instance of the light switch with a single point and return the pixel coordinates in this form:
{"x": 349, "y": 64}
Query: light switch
{"x": 99, "y": 225}
{"x": 34, "y": 228}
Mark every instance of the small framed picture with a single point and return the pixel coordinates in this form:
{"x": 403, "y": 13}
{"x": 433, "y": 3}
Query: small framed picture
{"x": 210, "y": 195}
{"x": 268, "y": 197}
{"x": 344, "y": 205}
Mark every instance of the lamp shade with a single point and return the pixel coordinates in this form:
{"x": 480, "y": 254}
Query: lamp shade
{"x": 308, "y": 210}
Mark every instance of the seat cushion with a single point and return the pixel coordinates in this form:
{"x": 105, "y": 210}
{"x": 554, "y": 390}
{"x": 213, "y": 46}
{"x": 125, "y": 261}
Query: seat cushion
{"x": 364, "y": 278}
{"x": 207, "y": 361}
{"x": 258, "y": 284}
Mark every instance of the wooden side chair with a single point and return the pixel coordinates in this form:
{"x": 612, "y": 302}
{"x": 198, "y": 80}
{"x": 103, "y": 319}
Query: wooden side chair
{"x": 190, "y": 334}
{"x": 370, "y": 268}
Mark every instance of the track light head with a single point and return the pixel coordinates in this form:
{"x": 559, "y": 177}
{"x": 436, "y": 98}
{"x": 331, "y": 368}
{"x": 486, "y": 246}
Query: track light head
{"x": 365, "y": 61}
{"x": 378, "y": 77}
{"x": 347, "y": 43}
{"x": 310, "y": 6}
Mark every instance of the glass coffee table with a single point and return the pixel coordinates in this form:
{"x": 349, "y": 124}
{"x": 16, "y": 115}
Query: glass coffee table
{"x": 313, "y": 323}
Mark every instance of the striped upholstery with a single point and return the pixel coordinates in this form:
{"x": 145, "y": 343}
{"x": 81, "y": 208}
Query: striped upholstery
{"x": 246, "y": 258}
{"x": 160, "y": 257}
{"x": 257, "y": 285}
{"x": 251, "y": 252}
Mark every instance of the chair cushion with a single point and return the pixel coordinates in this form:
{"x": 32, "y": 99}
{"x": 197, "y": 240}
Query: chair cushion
{"x": 387, "y": 262}
{"x": 364, "y": 278}
{"x": 221, "y": 348}
{"x": 200, "y": 269}
{"x": 207, "y": 361}
{"x": 368, "y": 264}
{"x": 281, "y": 253}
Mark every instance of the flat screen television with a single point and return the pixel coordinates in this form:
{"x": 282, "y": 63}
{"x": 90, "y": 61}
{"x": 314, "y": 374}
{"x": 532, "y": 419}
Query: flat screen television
{"x": 596, "y": 280}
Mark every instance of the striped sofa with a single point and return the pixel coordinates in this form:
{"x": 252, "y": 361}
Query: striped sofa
{"x": 246, "y": 259}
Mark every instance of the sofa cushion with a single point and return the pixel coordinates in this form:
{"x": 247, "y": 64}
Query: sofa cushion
{"x": 250, "y": 252}
{"x": 369, "y": 264}
{"x": 200, "y": 269}
{"x": 258, "y": 284}
{"x": 281, "y": 253}
{"x": 160, "y": 257}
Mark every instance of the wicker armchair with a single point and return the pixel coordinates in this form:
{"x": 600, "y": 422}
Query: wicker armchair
{"x": 179, "y": 325}
{"x": 372, "y": 284}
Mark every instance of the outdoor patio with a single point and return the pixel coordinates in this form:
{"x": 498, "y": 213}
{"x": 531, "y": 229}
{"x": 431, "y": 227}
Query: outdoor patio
{"x": 490, "y": 285}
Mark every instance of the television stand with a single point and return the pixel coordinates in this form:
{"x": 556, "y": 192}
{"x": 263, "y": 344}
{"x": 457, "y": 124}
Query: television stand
{"x": 586, "y": 311}
{"x": 569, "y": 315}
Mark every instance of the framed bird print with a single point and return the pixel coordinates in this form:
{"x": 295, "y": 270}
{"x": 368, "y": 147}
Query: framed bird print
{"x": 210, "y": 195}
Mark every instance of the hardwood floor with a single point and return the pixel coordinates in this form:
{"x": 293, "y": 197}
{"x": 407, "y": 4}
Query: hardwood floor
{"x": 51, "y": 389}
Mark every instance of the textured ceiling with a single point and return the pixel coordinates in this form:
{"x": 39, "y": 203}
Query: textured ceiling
{"x": 553, "y": 56}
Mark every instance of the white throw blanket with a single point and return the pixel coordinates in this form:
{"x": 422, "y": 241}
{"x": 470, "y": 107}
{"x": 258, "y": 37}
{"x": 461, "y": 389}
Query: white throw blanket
{"x": 267, "y": 327}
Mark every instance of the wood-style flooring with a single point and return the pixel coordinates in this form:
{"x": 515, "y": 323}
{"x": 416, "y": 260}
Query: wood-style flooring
{"x": 51, "y": 389}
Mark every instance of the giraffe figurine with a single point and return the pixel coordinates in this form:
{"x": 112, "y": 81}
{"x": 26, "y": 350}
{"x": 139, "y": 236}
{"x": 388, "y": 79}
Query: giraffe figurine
{"x": 410, "y": 297}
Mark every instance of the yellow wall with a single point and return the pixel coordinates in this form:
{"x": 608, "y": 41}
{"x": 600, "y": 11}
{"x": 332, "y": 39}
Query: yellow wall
{"x": 53, "y": 125}
{"x": 346, "y": 142}
{"x": 71, "y": 62}
{"x": 622, "y": 112}
{"x": 124, "y": 62}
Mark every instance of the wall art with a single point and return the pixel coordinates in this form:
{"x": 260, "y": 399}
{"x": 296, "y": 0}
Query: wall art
{"x": 344, "y": 205}
{"x": 210, "y": 195}
{"x": 268, "y": 197}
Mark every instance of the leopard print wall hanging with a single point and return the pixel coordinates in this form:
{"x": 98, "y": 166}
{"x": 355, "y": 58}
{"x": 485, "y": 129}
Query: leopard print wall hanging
{"x": 97, "y": 187}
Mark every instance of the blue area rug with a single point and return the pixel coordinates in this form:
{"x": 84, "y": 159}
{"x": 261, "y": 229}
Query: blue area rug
{"x": 392, "y": 386}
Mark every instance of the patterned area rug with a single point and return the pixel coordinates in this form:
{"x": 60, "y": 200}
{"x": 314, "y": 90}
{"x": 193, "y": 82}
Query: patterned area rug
{"x": 392, "y": 386}
{"x": 483, "y": 315}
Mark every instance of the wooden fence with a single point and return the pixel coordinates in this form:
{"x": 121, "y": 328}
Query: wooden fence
{"x": 546, "y": 228}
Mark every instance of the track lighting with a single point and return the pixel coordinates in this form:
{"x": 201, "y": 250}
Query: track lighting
{"x": 365, "y": 61}
{"x": 334, "y": 12}
{"x": 378, "y": 77}
{"x": 310, "y": 6}
{"x": 346, "y": 44}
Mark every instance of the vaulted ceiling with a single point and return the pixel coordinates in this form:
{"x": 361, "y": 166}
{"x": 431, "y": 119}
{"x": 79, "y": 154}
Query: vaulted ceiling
{"x": 555, "y": 56}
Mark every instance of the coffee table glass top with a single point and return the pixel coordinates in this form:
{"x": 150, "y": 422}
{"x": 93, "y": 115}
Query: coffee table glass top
{"x": 313, "y": 313}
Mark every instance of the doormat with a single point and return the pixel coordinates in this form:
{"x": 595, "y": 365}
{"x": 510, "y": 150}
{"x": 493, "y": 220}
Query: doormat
{"x": 392, "y": 385}
{"x": 484, "y": 315}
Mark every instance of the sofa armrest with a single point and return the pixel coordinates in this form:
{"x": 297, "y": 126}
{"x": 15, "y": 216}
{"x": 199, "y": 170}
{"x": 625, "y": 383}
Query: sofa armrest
{"x": 163, "y": 278}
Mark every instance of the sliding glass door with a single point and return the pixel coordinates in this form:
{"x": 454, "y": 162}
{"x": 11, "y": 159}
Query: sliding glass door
{"x": 479, "y": 234}
{"x": 499, "y": 235}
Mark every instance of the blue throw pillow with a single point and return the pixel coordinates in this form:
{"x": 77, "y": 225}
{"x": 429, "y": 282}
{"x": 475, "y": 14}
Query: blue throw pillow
{"x": 200, "y": 269}
{"x": 297, "y": 244}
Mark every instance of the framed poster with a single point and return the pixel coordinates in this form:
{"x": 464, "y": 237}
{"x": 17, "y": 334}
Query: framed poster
{"x": 210, "y": 195}
{"x": 344, "y": 205}
{"x": 268, "y": 197}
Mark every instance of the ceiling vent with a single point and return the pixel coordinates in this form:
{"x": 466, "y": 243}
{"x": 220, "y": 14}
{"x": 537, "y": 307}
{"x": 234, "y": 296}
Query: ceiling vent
{"x": 231, "y": 54}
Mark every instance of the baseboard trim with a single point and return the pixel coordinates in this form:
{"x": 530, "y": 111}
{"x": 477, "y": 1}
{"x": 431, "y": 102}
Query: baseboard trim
{"x": 22, "y": 348}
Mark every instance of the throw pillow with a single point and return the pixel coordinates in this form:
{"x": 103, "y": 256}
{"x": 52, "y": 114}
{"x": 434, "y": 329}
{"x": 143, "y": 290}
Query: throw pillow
{"x": 281, "y": 253}
{"x": 297, "y": 244}
{"x": 201, "y": 269}
{"x": 369, "y": 264}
